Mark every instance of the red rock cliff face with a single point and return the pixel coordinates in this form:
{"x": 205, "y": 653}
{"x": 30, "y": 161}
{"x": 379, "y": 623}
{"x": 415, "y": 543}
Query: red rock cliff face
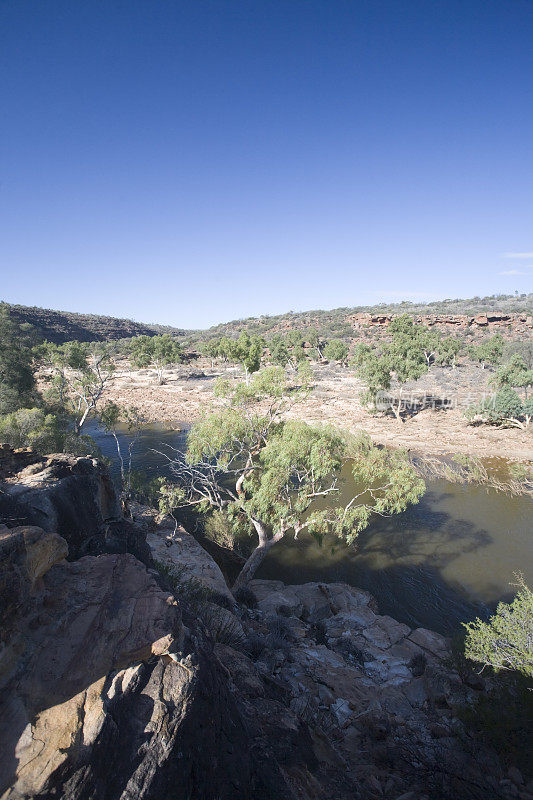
{"x": 510, "y": 325}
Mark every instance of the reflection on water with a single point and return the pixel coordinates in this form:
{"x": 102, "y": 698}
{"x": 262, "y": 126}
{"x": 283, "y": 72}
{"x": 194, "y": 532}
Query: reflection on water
{"x": 446, "y": 560}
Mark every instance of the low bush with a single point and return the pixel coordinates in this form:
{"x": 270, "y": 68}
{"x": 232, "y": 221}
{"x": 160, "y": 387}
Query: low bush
{"x": 505, "y": 408}
{"x": 43, "y": 432}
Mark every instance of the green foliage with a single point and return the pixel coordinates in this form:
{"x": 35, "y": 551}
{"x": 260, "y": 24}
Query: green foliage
{"x": 407, "y": 356}
{"x": 279, "y": 352}
{"x": 248, "y": 351}
{"x": 490, "y": 351}
{"x": 43, "y": 432}
{"x": 336, "y": 350}
{"x": 505, "y": 642}
{"x": 225, "y": 529}
{"x": 144, "y": 490}
{"x": 360, "y": 353}
{"x": 17, "y": 383}
{"x": 447, "y": 351}
{"x": 266, "y": 472}
{"x": 503, "y": 407}
{"x": 77, "y": 374}
{"x": 514, "y": 374}
{"x": 524, "y": 349}
{"x": 157, "y": 351}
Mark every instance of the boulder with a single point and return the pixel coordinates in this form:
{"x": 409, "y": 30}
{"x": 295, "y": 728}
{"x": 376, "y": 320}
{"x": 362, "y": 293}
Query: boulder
{"x": 310, "y": 601}
{"x": 186, "y": 558}
{"x": 431, "y": 642}
{"x": 75, "y": 498}
{"x": 113, "y": 696}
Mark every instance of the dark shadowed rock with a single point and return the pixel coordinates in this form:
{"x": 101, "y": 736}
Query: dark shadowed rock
{"x": 74, "y": 497}
{"x": 110, "y": 695}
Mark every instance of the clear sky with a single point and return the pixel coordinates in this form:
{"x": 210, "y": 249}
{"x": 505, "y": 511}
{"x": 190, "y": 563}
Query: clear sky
{"x": 194, "y": 162}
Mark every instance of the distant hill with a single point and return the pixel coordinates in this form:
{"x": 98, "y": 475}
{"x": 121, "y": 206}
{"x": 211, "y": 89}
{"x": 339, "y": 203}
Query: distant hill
{"x": 64, "y": 326}
{"x": 340, "y": 321}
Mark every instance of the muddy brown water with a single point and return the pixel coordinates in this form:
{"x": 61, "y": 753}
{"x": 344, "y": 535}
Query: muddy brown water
{"x": 446, "y": 560}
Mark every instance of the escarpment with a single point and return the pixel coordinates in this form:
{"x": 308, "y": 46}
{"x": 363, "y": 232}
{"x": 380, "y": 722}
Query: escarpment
{"x": 117, "y": 683}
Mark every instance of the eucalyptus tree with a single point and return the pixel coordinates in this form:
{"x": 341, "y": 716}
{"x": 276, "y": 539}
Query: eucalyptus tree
{"x": 78, "y": 374}
{"x": 490, "y": 351}
{"x": 514, "y": 374}
{"x": 336, "y": 350}
{"x": 279, "y": 352}
{"x": 313, "y": 338}
{"x": 155, "y": 351}
{"x": 405, "y": 356}
{"x": 248, "y": 350}
{"x": 447, "y": 351}
{"x": 17, "y": 382}
{"x": 113, "y": 417}
{"x": 267, "y": 473}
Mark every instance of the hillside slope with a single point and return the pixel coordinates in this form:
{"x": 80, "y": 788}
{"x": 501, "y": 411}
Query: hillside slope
{"x": 64, "y": 326}
{"x": 341, "y": 321}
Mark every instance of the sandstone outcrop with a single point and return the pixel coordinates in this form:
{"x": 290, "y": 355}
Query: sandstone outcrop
{"x": 387, "y": 695}
{"x": 110, "y": 695}
{"x": 74, "y": 497}
{"x": 179, "y": 552}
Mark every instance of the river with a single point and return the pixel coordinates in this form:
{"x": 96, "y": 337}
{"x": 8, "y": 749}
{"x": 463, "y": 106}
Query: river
{"x": 446, "y": 560}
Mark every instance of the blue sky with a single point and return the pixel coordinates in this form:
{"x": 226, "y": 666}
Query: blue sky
{"x": 194, "y": 162}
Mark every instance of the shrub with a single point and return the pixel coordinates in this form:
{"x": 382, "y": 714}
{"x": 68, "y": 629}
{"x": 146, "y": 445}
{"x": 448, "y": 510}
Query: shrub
{"x": 505, "y": 642}
{"x": 504, "y": 406}
{"x": 44, "y": 432}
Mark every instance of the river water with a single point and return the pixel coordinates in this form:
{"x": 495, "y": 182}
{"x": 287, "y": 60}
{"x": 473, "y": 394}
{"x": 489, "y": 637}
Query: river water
{"x": 446, "y": 560}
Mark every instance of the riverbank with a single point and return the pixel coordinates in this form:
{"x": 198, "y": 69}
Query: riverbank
{"x": 188, "y": 394}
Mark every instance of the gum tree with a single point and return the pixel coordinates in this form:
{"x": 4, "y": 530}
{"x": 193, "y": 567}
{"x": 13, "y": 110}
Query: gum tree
{"x": 78, "y": 373}
{"x": 247, "y": 350}
{"x": 336, "y": 350}
{"x": 155, "y": 351}
{"x": 406, "y": 356}
{"x": 113, "y": 417}
{"x": 490, "y": 351}
{"x": 267, "y": 473}
{"x": 17, "y": 383}
{"x": 514, "y": 374}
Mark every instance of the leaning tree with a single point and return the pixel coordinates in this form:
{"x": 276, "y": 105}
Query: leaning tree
{"x": 268, "y": 473}
{"x": 78, "y": 374}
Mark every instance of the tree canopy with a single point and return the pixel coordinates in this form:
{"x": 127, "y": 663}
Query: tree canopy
{"x": 267, "y": 472}
{"x": 17, "y": 383}
{"x": 157, "y": 351}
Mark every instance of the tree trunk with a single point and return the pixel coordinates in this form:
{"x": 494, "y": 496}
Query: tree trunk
{"x": 257, "y": 557}
{"x": 252, "y": 565}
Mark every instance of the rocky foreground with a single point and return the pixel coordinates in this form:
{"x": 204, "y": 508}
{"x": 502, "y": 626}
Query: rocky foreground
{"x": 120, "y": 680}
